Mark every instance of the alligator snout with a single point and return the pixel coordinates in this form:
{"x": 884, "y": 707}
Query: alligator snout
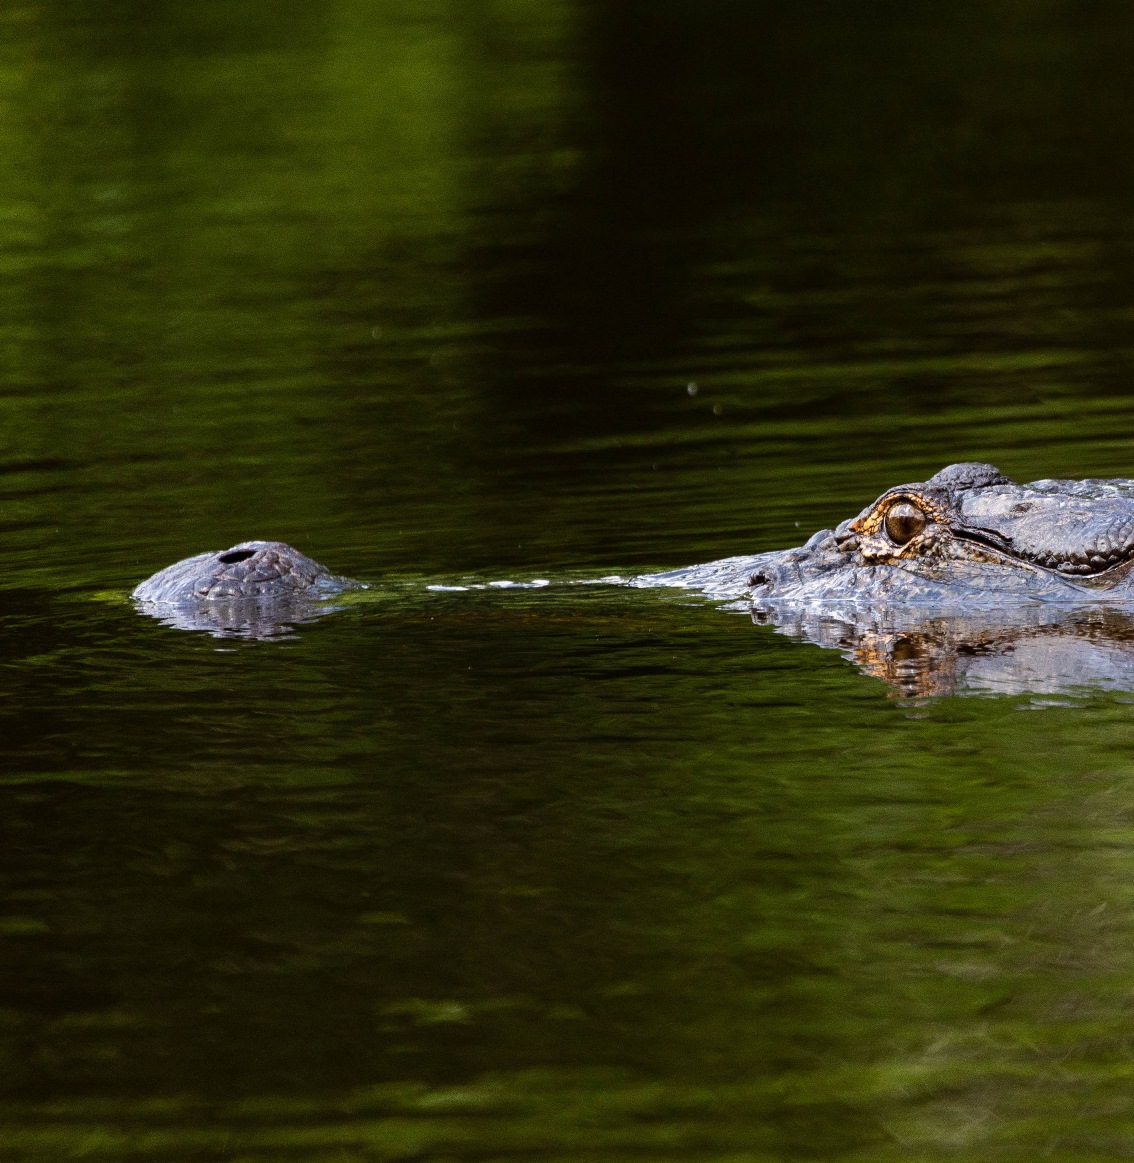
{"x": 778, "y": 569}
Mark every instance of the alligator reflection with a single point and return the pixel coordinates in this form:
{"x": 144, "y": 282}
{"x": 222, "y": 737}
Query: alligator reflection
{"x": 1031, "y": 650}
{"x": 242, "y": 618}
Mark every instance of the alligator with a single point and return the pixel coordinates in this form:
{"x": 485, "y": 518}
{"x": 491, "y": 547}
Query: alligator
{"x": 967, "y": 537}
{"x": 926, "y": 579}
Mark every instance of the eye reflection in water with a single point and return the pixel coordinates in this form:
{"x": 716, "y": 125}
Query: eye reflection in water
{"x": 1042, "y": 650}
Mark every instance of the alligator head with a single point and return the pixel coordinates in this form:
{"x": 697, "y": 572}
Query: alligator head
{"x": 968, "y": 535}
{"x": 966, "y": 581}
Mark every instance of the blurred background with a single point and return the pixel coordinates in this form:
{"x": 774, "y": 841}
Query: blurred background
{"x": 442, "y": 290}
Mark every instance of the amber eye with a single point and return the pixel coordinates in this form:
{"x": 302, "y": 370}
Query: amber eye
{"x": 904, "y": 522}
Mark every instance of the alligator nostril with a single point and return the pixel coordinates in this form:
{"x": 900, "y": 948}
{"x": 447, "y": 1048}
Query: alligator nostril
{"x": 758, "y": 579}
{"x": 236, "y": 555}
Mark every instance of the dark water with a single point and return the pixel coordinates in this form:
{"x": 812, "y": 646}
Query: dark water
{"x": 445, "y": 292}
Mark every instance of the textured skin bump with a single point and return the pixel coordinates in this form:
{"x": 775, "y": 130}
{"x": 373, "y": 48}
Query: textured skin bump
{"x": 969, "y": 474}
{"x": 262, "y": 570}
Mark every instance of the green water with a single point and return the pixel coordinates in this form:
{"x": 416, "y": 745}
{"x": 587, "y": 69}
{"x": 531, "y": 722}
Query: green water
{"x": 442, "y": 291}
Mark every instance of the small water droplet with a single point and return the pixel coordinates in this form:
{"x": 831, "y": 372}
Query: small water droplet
{"x": 691, "y": 388}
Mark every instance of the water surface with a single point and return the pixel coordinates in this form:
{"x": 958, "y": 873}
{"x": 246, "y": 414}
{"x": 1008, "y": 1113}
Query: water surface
{"x": 444, "y": 294}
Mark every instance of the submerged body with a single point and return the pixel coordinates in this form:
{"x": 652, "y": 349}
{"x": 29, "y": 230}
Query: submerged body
{"x": 968, "y": 537}
{"x": 965, "y": 583}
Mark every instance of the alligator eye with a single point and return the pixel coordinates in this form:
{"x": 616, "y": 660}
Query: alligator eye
{"x": 904, "y": 522}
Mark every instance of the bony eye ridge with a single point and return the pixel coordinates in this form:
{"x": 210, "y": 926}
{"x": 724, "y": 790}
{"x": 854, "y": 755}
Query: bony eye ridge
{"x": 904, "y": 522}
